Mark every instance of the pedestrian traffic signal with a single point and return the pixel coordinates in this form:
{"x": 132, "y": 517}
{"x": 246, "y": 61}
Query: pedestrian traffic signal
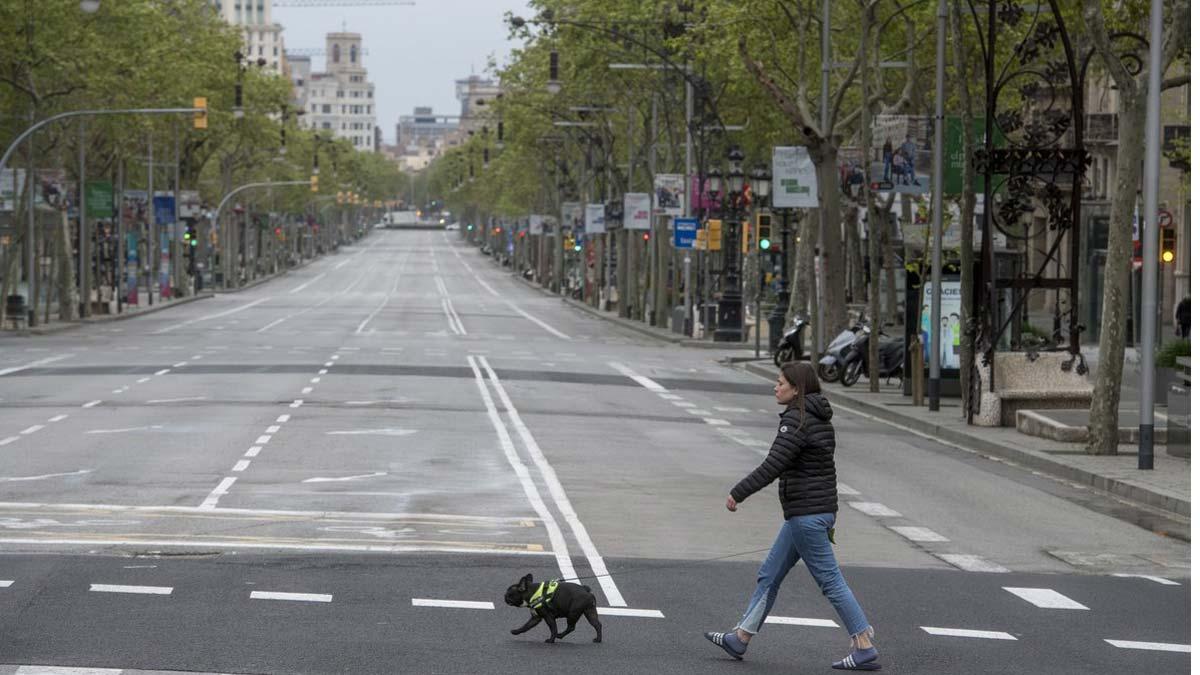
{"x": 764, "y": 231}
{"x": 200, "y": 118}
{"x": 1167, "y": 245}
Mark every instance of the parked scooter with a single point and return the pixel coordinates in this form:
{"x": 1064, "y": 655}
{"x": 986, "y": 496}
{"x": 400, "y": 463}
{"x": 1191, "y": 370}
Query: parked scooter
{"x": 833, "y": 363}
{"x": 791, "y": 345}
{"x": 891, "y": 357}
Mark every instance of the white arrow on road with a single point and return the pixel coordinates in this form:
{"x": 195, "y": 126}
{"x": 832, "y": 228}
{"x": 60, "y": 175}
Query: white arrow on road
{"x": 334, "y": 480}
{"x": 15, "y": 479}
{"x": 121, "y": 431}
{"x": 372, "y": 432}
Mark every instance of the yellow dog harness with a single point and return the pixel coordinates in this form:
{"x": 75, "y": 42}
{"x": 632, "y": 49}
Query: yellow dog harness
{"x": 543, "y": 595}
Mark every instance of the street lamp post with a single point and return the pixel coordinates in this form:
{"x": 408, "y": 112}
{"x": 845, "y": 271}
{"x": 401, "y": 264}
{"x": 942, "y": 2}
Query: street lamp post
{"x": 729, "y": 307}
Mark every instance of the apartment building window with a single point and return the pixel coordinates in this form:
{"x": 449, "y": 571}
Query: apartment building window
{"x": 276, "y": 51}
{"x": 353, "y": 54}
{"x": 325, "y": 125}
{"x": 341, "y": 93}
{"x": 326, "y": 108}
{"x": 368, "y": 110}
{"x": 370, "y": 93}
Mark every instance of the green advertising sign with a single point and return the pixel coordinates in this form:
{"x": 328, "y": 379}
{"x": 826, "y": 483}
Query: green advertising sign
{"x": 100, "y": 199}
{"x": 954, "y": 156}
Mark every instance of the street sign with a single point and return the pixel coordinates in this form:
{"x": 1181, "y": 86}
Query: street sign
{"x": 685, "y": 232}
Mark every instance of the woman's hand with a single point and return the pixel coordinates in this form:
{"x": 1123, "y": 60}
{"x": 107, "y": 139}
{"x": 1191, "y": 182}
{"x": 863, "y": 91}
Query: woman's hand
{"x": 731, "y": 503}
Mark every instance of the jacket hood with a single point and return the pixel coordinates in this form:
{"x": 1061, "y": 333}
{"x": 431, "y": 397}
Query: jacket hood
{"x": 817, "y": 405}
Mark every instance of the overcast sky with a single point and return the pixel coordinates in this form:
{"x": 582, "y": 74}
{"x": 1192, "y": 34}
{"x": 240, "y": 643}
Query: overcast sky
{"x": 414, "y": 52}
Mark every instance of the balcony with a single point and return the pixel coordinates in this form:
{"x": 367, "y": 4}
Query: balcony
{"x": 1100, "y": 128}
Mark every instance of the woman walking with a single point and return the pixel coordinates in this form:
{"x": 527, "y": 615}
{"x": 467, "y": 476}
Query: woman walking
{"x": 801, "y": 458}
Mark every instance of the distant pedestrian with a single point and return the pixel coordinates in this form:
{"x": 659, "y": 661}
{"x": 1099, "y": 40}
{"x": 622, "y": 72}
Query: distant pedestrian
{"x": 801, "y": 458}
{"x": 1183, "y": 317}
{"x": 887, "y": 160}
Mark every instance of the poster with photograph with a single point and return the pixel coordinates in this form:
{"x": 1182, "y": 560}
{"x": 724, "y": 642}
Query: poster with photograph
{"x": 637, "y": 211}
{"x": 901, "y": 157}
{"x": 668, "y": 194}
{"x": 594, "y": 219}
{"x": 950, "y": 328}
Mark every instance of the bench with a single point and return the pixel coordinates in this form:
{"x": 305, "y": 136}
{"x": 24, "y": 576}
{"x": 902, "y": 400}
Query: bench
{"x": 1021, "y": 384}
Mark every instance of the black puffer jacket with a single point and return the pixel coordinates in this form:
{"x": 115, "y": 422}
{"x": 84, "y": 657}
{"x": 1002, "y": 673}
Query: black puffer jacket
{"x": 802, "y": 459}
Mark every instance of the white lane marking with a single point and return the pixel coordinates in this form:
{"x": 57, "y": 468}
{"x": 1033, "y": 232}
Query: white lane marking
{"x": 697, "y": 411}
{"x": 972, "y": 563}
{"x": 557, "y": 492}
{"x": 310, "y": 281}
{"x": 683, "y": 404}
{"x": 917, "y": 533}
{"x": 92, "y": 404}
{"x": 125, "y": 429}
{"x": 164, "y": 371}
{"x": 335, "y": 357}
{"x": 323, "y": 371}
{"x": 297, "y": 403}
{"x": 1153, "y": 646}
{"x": 875, "y": 509}
{"x": 340, "y": 265}
{"x": 716, "y": 422}
{"x": 626, "y": 611}
{"x": 263, "y": 440}
{"x": 143, "y": 380}
{"x": 283, "y": 418}
{"x": 210, "y": 502}
{"x": 732, "y": 410}
{"x": 344, "y": 478}
{"x": 518, "y": 310}
{"x": 253, "y": 451}
{"x": 241, "y": 465}
{"x": 57, "y": 418}
{"x": 558, "y": 544}
{"x": 372, "y": 432}
{"x": 208, "y": 544}
{"x": 227, "y": 312}
{"x": 117, "y": 588}
{"x": 1157, "y": 580}
{"x": 296, "y": 597}
{"x": 33, "y": 429}
{"x": 177, "y": 400}
{"x": 5, "y": 583}
{"x": 963, "y": 632}
{"x": 306, "y": 390}
{"x": 370, "y": 316}
{"x": 670, "y": 397}
{"x": 34, "y": 364}
{"x": 844, "y": 489}
{"x": 640, "y": 379}
{"x": 315, "y": 380}
{"x": 273, "y": 429}
{"x": 307, "y": 515}
{"x": 10, "y": 439}
{"x": 328, "y": 364}
{"x": 18, "y": 479}
{"x": 118, "y": 391}
{"x": 197, "y": 357}
{"x": 456, "y": 604}
{"x": 1045, "y": 598}
{"x": 799, "y": 621}
{"x": 180, "y": 364}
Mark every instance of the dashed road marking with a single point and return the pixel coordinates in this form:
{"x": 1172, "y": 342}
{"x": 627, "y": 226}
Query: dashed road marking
{"x": 455, "y": 604}
{"x": 92, "y": 404}
{"x": 296, "y": 597}
{"x": 875, "y": 509}
{"x": 57, "y": 418}
{"x": 116, "y": 588}
{"x": 306, "y": 390}
{"x": 8, "y": 440}
{"x": 844, "y": 489}
{"x": 253, "y": 451}
{"x": 1045, "y": 598}
{"x": 1157, "y": 580}
{"x": 273, "y": 429}
{"x": 5, "y": 583}
{"x": 33, "y": 429}
{"x": 640, "y": 379}
{"x": 626, "y": 611}
{"x": 297, "y": 403}
{"x": 923, "y": 534}
{"x": 164, "y": 371}
{"x": 283, "y": 418}
{"x": 800, "y": 621}
{"x": 210, "y": 502}
{"x": 1153, "y": 646}
{"x": 963, "y": 632}
{"x": 241, "y": 465}
{"x": 263, "y": 440}
{"x": 715, "y": 422}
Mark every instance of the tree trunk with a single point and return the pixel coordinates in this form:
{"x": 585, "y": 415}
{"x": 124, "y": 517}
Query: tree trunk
{"x": 1102, "y": 431}
{"x": 888, "y": 270}
{"x": 801, "y": 272}
{"x": 833, "y": 269}
{"x": 966, "y": 358}
{"x": 68, "y": 294}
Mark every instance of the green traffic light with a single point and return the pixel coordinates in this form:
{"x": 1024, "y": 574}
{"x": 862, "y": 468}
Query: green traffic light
{"x": 194, "y": 242}
{"x": 764, "y": 244}
{"x": 578, "y": 248}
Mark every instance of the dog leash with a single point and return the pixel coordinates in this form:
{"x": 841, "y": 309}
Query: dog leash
{"x": 687, "y": 563}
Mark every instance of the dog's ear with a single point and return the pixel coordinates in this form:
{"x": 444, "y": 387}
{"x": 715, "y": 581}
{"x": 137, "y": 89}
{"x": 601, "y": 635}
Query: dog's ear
{"x": 526, "y": 581}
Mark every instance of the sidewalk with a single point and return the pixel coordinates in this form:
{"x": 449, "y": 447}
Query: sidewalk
{"x": 1167, "y": 487}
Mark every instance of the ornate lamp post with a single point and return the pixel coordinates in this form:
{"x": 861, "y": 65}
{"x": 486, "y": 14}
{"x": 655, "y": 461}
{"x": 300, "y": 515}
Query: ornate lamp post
{"x": 729, "y": 307}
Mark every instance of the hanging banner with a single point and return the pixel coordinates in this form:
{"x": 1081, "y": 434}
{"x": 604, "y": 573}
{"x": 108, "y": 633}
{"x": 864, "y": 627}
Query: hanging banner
{"x": 794, "y": 178}
{"x": 594, "y": 219}
{"x": 537, "y": 225}
{"x": 901, "y": 154}
{"x": 99, "y": 199}
{"x": 668, "y": 194}
{"x": 164, "y": 209}
{"x": 637, "y": 211}
{"x": 189, "y": 204}
{"x": 572, "y": 217}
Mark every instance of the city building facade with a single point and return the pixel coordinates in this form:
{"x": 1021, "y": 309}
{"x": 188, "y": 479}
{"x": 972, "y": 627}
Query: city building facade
{"x": 340, "y": 100}
{"x": 263, "y": 37}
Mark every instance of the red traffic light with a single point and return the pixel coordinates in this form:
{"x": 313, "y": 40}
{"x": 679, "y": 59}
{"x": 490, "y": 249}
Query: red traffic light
{"x": 645, "y": 236}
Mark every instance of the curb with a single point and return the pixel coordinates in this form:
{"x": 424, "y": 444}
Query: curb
{"x": 109, "y": 318}
{"x": 263, "y": 280}
{"x": 1103, "y": 483}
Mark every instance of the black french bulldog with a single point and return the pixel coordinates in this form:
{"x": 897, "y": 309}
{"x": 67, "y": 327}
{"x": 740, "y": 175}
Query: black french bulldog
{"x": 549, "y": 601}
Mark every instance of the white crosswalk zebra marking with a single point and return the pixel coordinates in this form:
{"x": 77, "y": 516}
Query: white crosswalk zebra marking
{"x": 963, "y": 632}
{"x": 1046, "y": 598}
{"x": 875, "y": 509}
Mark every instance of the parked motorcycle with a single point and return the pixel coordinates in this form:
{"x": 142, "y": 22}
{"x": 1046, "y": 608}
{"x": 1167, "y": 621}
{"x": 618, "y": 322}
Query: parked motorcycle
{"x": 891, "y": 357}
{"x": 833, "y": 363}
{"x": 791, "y": 345}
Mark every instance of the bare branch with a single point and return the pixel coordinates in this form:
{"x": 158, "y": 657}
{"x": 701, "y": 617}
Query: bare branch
{"x": 1093, "y": 18}
{"x": 1174, "y": 82}
{"x": 797, "y": 114}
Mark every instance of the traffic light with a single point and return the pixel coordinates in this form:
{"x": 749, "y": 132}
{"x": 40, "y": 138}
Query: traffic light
{"x": 764, "y": 231}
{"x": 645, "y": 236}
{"x": 200, "y": 118}
{"x": 189, "y": 235}
{"x": 1166, "y": 251}
{"x": 313, "y": 183}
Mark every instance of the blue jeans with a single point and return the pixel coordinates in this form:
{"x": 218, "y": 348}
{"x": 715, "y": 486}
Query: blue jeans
{"x": 807, "y": 538}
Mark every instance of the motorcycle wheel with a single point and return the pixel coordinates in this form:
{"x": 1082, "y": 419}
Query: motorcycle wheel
{"x": 829, "y": 373}
{"x": 852, "y": 373}
{"x": 783, "y": 355}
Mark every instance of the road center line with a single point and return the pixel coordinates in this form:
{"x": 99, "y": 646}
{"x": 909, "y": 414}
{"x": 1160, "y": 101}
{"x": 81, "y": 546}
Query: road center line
{"x": 241, "y": 465}
{"x": 116, "y": 588}
{"x": 92, "y": 404}
{"x": 297, "y": 597}
{"x": 253, "y": 451}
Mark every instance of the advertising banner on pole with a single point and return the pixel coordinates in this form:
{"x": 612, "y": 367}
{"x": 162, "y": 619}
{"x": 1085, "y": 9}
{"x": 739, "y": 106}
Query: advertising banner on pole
{"x": 537, "y": 225}
{"x": 189, "y": 204}
{"x": 164, "y": 209}
{"x": 594, "y": 219}
{"x": 572, "y": 217}
{"x": 637, "y": 211}
{"x": 99, "y": 199}
{"x": 668, "y": 194}
{"x": 795, "y": 179}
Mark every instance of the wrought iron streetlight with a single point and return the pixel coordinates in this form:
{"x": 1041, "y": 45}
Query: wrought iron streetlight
{"x": 729, "y": 307}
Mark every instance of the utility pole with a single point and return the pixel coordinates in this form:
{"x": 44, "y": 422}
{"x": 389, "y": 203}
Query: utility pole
{"x": 818, "y": 276}
{"x": 1150, "y": 239}
{"x": 935, "y": 302}
{"x": 85, "y": 290}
